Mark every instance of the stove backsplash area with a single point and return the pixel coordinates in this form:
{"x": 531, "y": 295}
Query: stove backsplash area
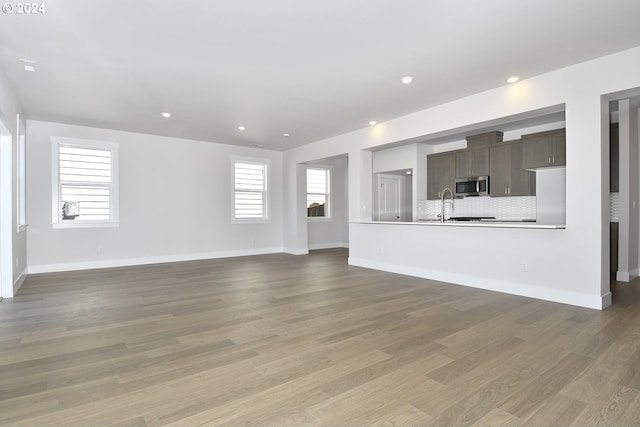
{"x": 507, "y": 208}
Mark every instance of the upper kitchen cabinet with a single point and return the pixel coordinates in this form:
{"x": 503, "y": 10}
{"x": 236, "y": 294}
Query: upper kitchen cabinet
{"x": 545, "y": 149}
{"x": 472, "y": 163}
{"x": 508, "y": 177}
{"x": 441, "y": 174}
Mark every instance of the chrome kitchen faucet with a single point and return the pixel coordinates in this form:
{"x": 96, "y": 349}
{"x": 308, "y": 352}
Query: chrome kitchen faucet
{"x": 442, "y": 202}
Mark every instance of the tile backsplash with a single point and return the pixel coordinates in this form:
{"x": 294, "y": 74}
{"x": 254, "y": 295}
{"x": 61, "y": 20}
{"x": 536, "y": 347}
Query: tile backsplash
{"x": 508, "y": 208}
{"x": 614, "y": 207}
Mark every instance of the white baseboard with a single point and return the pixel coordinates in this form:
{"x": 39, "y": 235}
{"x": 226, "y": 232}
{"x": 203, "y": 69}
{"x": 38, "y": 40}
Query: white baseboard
{"x": 538, "y": 292}
{"x": 19, "y": 281}
{"x": 295, "y": 251}
{"x": 126, "y": 262}
{"x": 316, "y": 246}
{"x": 623, "y": 276}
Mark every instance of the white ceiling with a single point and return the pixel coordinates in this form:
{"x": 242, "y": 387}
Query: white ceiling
{"x": 310, "y": 68}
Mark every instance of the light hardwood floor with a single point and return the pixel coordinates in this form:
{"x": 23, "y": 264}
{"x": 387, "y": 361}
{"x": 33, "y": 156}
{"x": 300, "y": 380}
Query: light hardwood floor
{"x": 279, "y": 340}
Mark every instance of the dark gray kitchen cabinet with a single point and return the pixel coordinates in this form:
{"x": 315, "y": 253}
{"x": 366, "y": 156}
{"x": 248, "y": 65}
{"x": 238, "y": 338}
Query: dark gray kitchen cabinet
{"x": 472, "y": 163}
{"x": 441, "y": 174}
{"x": 544, "y": 149}
{"x": 507, "y": 175}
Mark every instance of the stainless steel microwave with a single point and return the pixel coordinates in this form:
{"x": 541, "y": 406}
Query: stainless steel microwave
{"x": 472, "y": 186}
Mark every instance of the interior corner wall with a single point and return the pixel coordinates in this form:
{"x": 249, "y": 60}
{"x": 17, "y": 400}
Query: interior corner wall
{"x": 333, "y": 233}
{"x": 174, "y": 203}
{"x": 9, "y": 109}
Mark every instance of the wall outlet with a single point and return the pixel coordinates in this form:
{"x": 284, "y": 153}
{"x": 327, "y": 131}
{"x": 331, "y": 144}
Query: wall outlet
{"x": 17, "y": 263}
{"x": 524, "y": 267}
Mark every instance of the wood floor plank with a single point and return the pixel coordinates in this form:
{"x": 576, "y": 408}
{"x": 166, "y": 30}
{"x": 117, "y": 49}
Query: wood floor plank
{"x": 558, "y": 411}
{"x": 498, "y": 418}
{"x": 282, "y": 340}
{"x": 546, "y": 385}
{"x": 616, "y": 402}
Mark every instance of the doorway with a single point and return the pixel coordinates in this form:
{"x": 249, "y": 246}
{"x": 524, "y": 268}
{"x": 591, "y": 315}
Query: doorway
{"x": 327, "y": 205}
{"x": 393, "y": 196}
{"x": 624, "y": 191}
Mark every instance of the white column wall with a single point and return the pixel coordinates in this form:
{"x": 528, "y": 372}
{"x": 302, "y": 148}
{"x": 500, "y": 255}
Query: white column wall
{"x": 14, "y": 257}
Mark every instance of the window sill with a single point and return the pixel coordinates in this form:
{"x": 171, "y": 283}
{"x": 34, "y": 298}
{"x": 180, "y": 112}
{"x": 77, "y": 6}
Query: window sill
{"x": 319, "y": 219}
{"x": 250, "y": 221}
{"x": 85, "y": 224}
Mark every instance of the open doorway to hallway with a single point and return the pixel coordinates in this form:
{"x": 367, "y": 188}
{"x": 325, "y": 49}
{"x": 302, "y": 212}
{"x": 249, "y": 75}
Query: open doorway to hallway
{"x": 327, "y": 202}
{"x": 624, "y": 187}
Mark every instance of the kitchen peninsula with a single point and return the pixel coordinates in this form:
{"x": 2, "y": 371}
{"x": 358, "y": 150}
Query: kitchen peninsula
{"x": 477, "y": 243}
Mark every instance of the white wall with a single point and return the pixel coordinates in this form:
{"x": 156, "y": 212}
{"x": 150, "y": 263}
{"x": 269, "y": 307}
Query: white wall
{"x": 175, "y": 203}
{"x": 14, "y": 259}
{"x": 568, "y": 265}
{"x": 333, "y": 232}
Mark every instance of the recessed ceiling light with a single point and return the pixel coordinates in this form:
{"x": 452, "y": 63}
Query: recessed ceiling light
{"x": 241, "y": 128}
{"x": 409, "y": 172}
{"x": 286, "y": 135}
{"x": 513, "y": 79}
{"x": 407, "y": 80}
{"x": 372, "y": 123}
{"x": 166, "y": 115}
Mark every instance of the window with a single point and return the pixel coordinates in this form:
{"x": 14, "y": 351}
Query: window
{"x": 318, "y": 192}
{"x": 85, "y": 192}
{"x": 250, "y": 190}
{"x": 22, "y": 180}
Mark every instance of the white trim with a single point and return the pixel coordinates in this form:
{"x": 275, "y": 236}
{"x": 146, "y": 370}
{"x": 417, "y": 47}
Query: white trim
{"x": 21, "y": 176}
{"x": 623, "y": 276}
{"x": 6, "y": 212}
{"x": 295, "y": 251}
{"x": 548, "y": 294}
{"x": 126, "y": 262}
{"x": 317, "y": 246}
{"x": 85, "y": 224}
{"x": 19, "y": 281}
{"x": 319, "y": 219}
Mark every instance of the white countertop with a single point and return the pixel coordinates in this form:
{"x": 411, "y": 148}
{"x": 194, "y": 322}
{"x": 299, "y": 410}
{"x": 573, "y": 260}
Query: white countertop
{"x": 484, "y": 223}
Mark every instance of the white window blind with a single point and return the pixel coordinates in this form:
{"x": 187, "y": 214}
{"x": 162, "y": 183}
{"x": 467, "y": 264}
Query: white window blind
{"x": 250, "y": 190}
{"x": 317, "y": 192}
{"x": 85, "y": 183}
